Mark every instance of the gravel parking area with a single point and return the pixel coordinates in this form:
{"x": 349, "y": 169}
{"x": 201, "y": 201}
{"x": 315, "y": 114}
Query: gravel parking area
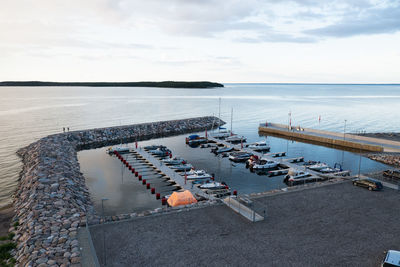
{"x": 335, "y": 225}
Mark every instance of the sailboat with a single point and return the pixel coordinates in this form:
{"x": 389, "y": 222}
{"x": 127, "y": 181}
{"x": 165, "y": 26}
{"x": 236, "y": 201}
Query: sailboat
{"x": 234, "y": 138}
{"x": 224, "y": 133}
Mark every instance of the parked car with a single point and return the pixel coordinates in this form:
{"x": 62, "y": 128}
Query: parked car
{"x": 392, "y": 259}
{"x": 392, "y": 173}
{"x": 369, "y": 183}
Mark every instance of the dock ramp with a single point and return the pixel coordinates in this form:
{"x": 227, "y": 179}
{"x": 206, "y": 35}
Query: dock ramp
{"x": 235, "y": 204}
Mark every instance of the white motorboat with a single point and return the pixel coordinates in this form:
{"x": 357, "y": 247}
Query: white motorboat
{"x": 218, "y": 150}
{"x": 182, "y": 167}
{"x": 160, "y": 151}
{"x": 239, "y": 156}
{"x": 318, "y": 166}
{"x": 295, "y": 176}
{"x": 329, "y": 170}
{"x": 119, "y": 149}
{"x": 259, "y": 146}
{"x": 154, "y": 147}
{"x": 198, "y": 175}
{"x": 265, "y": 164}
{"x": 174, "y": 161}
{"x": 235, "y": 139}
{"x": 213, "y": 185}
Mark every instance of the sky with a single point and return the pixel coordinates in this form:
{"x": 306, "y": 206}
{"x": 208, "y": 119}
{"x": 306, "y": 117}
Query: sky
{"x": 310, "y": 41}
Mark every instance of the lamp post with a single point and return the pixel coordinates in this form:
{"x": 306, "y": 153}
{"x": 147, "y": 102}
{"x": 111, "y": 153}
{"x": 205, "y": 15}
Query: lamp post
{"x": 344, "y": 130}
{"x": 104, "y": 234}
{"x": 359, "y": 165}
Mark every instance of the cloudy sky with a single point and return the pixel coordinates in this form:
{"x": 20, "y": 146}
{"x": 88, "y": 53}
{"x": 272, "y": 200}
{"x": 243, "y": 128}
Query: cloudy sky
{"x": 333, "y": 41}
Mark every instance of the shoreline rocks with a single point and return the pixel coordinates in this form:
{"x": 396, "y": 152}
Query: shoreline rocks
{"x": 52, "y": 200}
{"x": 392, "y": 159}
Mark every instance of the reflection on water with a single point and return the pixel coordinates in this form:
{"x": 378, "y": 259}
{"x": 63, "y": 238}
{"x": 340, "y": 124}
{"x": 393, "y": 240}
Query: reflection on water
{"x": 107, "y": 178}
{"x": 30, "y": 113}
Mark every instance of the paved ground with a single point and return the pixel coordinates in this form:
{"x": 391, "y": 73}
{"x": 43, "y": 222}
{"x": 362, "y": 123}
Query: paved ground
{"x": 336, "y": 225}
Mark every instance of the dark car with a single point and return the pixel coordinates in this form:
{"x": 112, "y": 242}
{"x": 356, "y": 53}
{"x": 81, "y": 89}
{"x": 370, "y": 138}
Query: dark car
{"x": 369, "y": 183}
{"x": 392, "y": 173}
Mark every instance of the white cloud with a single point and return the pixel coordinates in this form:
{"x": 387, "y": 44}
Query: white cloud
{"x": 208, "y": 37}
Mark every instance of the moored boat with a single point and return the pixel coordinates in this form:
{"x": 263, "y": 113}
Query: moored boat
{"x": 160, "y": 151}
{"x": 221, "y": 150}
{"x": 297, "y": 176}
{"x": 235, "y": 139}
{"x": 154, "y": 147}
{"x": 214, "y": 186}
{"x": 239, "y": 156}
{"x": 174, "y": 161}
{"x": 264, "y": 164}
{"x": 195, "y": 139}
{"x": 318, "y": 166}
{"x": 259, "y": 146}
{"x": 182, "y": 167}
{"x": 199, "y": 175}
{"x": 221, "y": 134}
{"x": 119, "y": 149}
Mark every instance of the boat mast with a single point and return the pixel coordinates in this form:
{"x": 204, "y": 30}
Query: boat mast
{"x": 219, "y": 115}
{"x": 231, "y": 119}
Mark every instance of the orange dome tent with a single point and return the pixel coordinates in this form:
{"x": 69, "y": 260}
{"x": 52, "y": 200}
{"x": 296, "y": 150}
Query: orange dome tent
{"x": 181, "y": 198}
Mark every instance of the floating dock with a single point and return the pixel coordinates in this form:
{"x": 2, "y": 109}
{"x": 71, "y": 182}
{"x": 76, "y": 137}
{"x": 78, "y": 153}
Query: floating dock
{"x": 177, "y": 178}
{"x": 289, "y": 163}
{"x": 344, "y": 140}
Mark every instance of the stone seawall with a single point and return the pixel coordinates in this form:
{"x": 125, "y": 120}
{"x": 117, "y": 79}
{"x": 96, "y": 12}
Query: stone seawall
{"x": 52, "y": 200}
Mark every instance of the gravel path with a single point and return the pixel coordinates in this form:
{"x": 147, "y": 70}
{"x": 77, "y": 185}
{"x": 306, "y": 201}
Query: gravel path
{"x": 336, "y": 225}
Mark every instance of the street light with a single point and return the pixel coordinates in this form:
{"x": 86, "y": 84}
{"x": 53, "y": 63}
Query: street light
{"x": 344, "y": 130}
{"x": 104, "y": 234}
{"x": 359, "y": 165}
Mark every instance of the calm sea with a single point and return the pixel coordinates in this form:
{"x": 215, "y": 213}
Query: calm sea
{"x": 29, "y": 113}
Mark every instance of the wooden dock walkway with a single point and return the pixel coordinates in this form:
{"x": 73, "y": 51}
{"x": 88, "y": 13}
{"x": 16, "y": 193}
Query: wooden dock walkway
{"x": 179, "y": 180}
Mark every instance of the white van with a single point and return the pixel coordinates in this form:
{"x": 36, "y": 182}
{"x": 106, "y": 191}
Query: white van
{"x": 392, "y": 259}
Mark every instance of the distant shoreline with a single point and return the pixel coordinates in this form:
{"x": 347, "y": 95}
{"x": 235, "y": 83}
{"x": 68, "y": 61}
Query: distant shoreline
{"x": 165, "y": 84}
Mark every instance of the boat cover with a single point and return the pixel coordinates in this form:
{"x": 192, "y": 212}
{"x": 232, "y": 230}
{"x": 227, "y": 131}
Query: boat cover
{"x": 194, "y": 136}
{"x": 181, "y": 198}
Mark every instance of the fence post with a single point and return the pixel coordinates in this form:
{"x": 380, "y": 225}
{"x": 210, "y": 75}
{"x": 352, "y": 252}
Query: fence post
{"x": 239, "y": 204}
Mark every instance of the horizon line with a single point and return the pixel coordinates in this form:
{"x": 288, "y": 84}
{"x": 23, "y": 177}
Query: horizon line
{"x": 295, "y": 83}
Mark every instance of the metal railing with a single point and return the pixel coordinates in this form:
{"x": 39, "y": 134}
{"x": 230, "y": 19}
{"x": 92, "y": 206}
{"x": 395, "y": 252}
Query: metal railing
{"x": 91, "y": 245}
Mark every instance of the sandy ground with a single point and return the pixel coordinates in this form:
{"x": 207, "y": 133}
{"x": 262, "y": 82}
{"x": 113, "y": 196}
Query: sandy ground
{"x": 6, "y": 215}
{"x": 335, "y": 225}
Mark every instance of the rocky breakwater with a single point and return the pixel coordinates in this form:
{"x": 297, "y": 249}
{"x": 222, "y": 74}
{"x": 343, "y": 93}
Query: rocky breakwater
{"x": 144, "y": 131}
{"x": 387, "y": 158}
{"x": 52, "y": 200}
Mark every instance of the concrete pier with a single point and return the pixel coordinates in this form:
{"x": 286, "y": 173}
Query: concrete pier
{"x": 344, "y": 140}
